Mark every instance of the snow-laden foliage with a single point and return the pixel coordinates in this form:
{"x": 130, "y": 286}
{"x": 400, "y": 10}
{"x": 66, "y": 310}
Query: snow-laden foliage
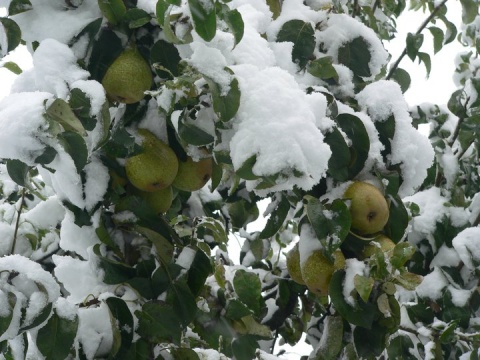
{"x": 292, "y": 101}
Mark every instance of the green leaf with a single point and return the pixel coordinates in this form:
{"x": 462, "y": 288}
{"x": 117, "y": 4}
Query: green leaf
{"x": 18, "y": 171}
{"x": 414, "y": 43}
{"x": 398, "y": 219}
{"x": 301, "y": 34}
{"x": 234, "y": 20}
{"x": 331, "y": 341}
{"x": 357, "y": 133}
{"x": 451, "y": 33}
{"x": 48, "y": 155}
{"x": 244, "y": 347}
{"x": 163, "y": 247}
{"x": 330, "y": 223}
{"x": 323, "y": 68}
{"x": 356, "y": 56}
{"x": 39, "y": 319}
{"x": 192, "y": 134}
{"x": 12, "y": 33}
{"x": 163, "y": 277}
{"x": 401, "y": 347}
{"x": 136, "y": 18}
{"x": 114, "y": 272}
{"x": 425, "y": 58}
{"x": 200, "y": 269}
{"x": 402, "y": 77}
{"x": 122, "y": 320}
{"x": 401, "y": 254}
{"x": 276, "y": 219}
{"x": 56, "y": 338}
{"x": 166, "y": 55}
{"x": 81, "y": 105}
{"x": 204, "y": 18}
{"x": 469, "y": 11}
{"x": 6, "y": 320}
{"x": 235, "y": 309}
{"x": 184, "y": 354}
{"x": 76, "y": 147}
{"x": 158, "y": 323}
{"x": 19, "y": 6}
{"x": 448, "y": 334}
{"x": 361, "y": 315}
{"x": 438, "y": 38}
{"x": 364, "y": 286}
{"x": 369, "y": 343}
{"x": 13, "y": 67}
{"x": 61, "y": 112}
{"x": 183, "y": 302}
{"x": 340, "y": 159}
{"x": 248, "y": 287}
{"x": 275, "y": 7}
{"x": 246, "y": 170}
{"x": 105, "y": 50}
{"x": 113, "y": 10}
{"x": 225, "y": 105}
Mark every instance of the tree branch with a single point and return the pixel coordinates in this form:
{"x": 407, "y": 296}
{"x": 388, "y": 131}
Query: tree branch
{"x": 17, "y": 223}
{"x": 420, "y": 29}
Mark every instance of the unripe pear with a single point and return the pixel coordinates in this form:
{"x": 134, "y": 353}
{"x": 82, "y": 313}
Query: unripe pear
{"x": 160, "y": 201}
{"x": 193, "y": 175}
{"x": 153, "y": 169}
{"x": 383, "y": 243}
{"x": 293, "y": 265}
{"x": 368, "y": 208}
{"x": 317, "y": 270}
{"x": 128, "y": 77}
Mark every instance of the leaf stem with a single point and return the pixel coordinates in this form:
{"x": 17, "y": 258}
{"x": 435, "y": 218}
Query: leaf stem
{"x": 17, "y": 223}
{"x": 420, "y": 29}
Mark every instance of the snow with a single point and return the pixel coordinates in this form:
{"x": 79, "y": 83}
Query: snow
{"x": 467, "y": 245}
{"x": 352, "y": 267}
{"x": 433, "y": 285}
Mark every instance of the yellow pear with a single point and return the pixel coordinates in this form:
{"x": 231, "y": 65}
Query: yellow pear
{"x": 317, "y": 270}
{"x": 293, "y": 265}
{"x": 160, "y": 200}
{"x": 193, "y": 175}
{"x": 128, "y": 77}
{"x": 153, "y": 169}
{"x": 368, "y": 208}
{"x": 382, "y": 242}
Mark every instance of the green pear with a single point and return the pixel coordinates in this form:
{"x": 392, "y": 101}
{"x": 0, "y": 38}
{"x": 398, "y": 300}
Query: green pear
{"x": 368, "y": 208}
{"x": 382, "y": 243}
{"x": 153, "y": 169}
{"x": 193, "y": 175}
{"x": 128, "y": 77}
{"x": 159, "y": 200}
{"x": 293, "y": 265}
{"x": 317, "y": 270}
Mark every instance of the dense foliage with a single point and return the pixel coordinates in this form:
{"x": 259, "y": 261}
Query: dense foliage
{"x": 291, "y": 101}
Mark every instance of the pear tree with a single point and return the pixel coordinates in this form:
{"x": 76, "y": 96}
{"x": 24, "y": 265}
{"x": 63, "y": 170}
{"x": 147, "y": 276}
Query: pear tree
{"x": 225, "y": 179}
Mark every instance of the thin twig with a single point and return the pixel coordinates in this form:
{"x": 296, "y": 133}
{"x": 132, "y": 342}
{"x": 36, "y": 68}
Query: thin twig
{"x": 355, "y": 8}
{"x": 17, "y": 223}
{"x": 375, "y": 6}
{"x": 420, "y": 29}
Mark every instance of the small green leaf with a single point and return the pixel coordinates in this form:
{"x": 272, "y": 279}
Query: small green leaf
{"x": 364, "y": 286}
{"x": 158, "y": 323}
{"x": 61, "y": 112}
{"x": 323, "y": 68}
{"x": 200, "y": 270}
{"x": 354, "y": 128}
{"x": 192, "y": 134}
{"x": 5, "y": 321}
{"x": 469, "y": 11}
{"x": 48, "y": 155}
{"x": 276, "y": 219}
{"x": 448, "y": 334}
{"x": 246, "y": 170}
{"x": 115, "y": 272}
{"x": 40, "y": 318}
{"x": 369, "y": 343}
{"x": 438, "y": 38}
{"x": 76, "y": 147}
{"x": 451, "y": 33}
{"x": 122, "y": 320}
{"x": 184, "y": 354}
{"x": 234, "y": 20}
{"x": 183, "y": 302}
{"x": 401, "y": 254}
{"x": 425, "y": 58}
{"x": 81, "y": 105}
{"x": 398, "y": 219}
{"x": 356, "y": 56}
{"x": 113, "y": 10}
{"x": 408, "y": 280}
{"x": 18, "y": 171}
{"x": 56, "y": 338}
{"x": 166, "y": 55}
{"x": 414, "y": 43}
{"x": 401, "y": 347}
{"x": 275, "y": 7}
{"x": 12, "y": 32}
{"x": 19, "y": 6}
{"x": 204, "y": 18}
{"x": 13, "y": 67}
{"x": 235, "y": 309}
{"x": 248, "y": 287}
{"x": 361, "y": 315}
{"x": 301, "y": 34}
{"x": 331, "y": 341}
{"x": 136, "y": 18}
{"x": 341, "y": 157}
{"x": 402, "y": 77}
{"x": 225, "y": 105}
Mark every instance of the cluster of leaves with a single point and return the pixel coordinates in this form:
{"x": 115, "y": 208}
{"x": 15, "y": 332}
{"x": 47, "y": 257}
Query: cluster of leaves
{"x": 168, "y": 284}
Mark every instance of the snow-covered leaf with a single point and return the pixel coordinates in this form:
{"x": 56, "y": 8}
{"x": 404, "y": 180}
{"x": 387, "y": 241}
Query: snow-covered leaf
{"x": 301, "y": 34}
